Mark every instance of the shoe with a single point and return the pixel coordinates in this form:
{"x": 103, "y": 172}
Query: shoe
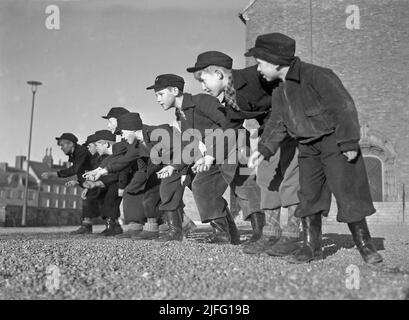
{"x": 257, "y": 220}
{"x": 102, "y": 233}
{"x": 174, "y": 220}
{"x": 363, "y": 241}
{"x": 128, "y": 234}
{"x": 260, "y": 246}
{"x": 285, "y": 246}
{"x": 220, "y": 233}
{"x": 187, "y": 227}
{"x": 146, "y": 235}
{"x": 311, "y": 248}
{"x": 232, "y": 228}
{"x": 83, "y": 229}
{"x": 113, "y": 228}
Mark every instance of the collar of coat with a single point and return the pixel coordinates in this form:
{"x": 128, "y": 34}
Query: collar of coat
{"x": 295, "y": 70}
{"x": 187, "y": 101}
{"x": 238, "y": 80}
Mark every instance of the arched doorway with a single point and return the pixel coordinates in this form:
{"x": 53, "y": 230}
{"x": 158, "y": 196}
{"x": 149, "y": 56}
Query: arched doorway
{"x": 375, "y": 176}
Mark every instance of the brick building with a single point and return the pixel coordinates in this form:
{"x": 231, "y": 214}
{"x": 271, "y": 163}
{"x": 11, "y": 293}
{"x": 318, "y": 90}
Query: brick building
{"x": 366, "y": 42}
{"x": 45, "y": 193}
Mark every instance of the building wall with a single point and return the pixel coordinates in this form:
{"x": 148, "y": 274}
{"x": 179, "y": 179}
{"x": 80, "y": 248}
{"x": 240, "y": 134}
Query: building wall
{"x": 57, "y": 195}
{"x": 372, "y": 62}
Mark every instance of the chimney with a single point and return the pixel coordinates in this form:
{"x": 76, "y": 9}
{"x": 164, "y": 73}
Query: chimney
{"x": 3, "y": 166}
{"x": 20, "y": 162}
{"x": 48, "y": 158}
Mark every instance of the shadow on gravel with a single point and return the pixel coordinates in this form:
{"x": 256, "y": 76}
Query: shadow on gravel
{"x": 332, "y": 242}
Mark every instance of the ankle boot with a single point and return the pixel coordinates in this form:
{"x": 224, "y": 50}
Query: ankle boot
{"x": 85, "y": 228}
{"x": 363, "y": 241}
{"x": 311, "y": 248}
{"x": 220, "y": 231}
{"x": 174, "y": 221}
{"x": 257, "y": 220}
{"x": 285, "y": 246}
{"x": 113, "y": 228}
{"x": 102, "y": 233}
{"x": 232, "y": 228}
{"x": 188, "y": 226}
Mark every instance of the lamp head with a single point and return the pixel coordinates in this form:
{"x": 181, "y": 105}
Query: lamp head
{"x": 34, "y": 84}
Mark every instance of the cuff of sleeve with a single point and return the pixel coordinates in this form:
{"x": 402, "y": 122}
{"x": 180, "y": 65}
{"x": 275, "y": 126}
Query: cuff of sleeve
{"x": 108, "y": 168}
{"x": 266, "y": 152}
{"x": 349, "y": 146}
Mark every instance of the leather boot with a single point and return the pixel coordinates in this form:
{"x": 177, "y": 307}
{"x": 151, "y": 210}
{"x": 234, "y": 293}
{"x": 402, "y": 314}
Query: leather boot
{"x": 150, "y": 231}
{"x": 232, "y": 228}
{"x": 363, "y": 241}
{"x": 114, "y": 228}
{"x": 188, "y": 226}
{"x": 261, "y": 245}
{"x": 83, "y": 229}
{"x": 311, "y": 248}
{"x": 284, "y": 247}
{"x": 220, "y": 233}
{"x": 257, "y": 220}
{"x": 102, "y": 233}
{"x": 174, "y": 220}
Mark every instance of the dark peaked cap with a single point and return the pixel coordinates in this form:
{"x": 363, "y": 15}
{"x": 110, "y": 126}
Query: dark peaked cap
{"x": 104, "y": 135}
{"x": 167, "y": 80}
{"x": 67, "y": 136}
{"x": 116, "y": 112}
{"x": 130, "y": 121}
{"x": 275, "y": 48}
{"x": 211, "y": 58}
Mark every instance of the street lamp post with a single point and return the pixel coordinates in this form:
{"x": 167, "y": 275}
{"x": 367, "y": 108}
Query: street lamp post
{"x": 34, "y": 85}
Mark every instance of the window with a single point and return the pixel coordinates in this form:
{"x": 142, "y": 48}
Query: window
{"x": 75, "y": 191}
{"x": 63, "y": 204}
{"x": 2, "y": 194}
{"x": 74, "y": 204}
{"x": 30, "y": 195}
{"x": 56, "y": 203}
{"x": 63, "y": 190}
{"x": 47, "y": 188}
{"x": 47, "y": 203}
{"x": 375, "y": 177}
{"x": 9, "y": 194}
{"x": 57, "y": 189}
{"x": 20, "y": 194}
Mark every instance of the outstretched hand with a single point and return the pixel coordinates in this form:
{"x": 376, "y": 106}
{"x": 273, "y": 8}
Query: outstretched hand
{"x": 255, "y": 159}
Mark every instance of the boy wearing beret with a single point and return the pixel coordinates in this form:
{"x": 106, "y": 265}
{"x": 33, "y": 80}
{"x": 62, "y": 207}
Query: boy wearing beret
{"x": 199, "y": 112}
{"x": 312, "y": 105}
{"x": 247, "y": 96}
{"x": 80, "y": 158}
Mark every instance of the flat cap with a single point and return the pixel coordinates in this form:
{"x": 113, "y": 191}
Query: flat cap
{"x": 130, "y": 121}
{"x": 104, "y": 135}
{"x": 275, "y": 48}
{"x": 167, "y": 80}
{"x": 211, "y": 58}
{"x": 67, "y": 136}
{"x": 116, "y": 112}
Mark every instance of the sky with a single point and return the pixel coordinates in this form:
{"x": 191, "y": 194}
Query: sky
{"x": 105, "y": 54}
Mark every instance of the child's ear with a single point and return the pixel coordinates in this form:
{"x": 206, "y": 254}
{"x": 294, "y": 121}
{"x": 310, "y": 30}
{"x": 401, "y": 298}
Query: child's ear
{"x": 220, "y": 74}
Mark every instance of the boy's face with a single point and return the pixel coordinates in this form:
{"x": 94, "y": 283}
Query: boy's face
{"x": 66, "y": 146}
{"x": 101, "y": 147}
{"x": 268, "y": 70}
{"x": 130, "y": 136}
{"x": 92, "y": 148}
{"x": 212, "y": 82}
{"x": 166, "y": 98}
{"x": 112, "y": 124}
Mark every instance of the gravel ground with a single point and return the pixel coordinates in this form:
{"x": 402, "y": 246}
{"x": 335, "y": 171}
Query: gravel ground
{"x": 49, "y": 264}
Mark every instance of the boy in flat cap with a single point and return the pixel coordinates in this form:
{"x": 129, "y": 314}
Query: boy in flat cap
{"x": 145, "y": 180}
{"x": 312, "y": 105}
{"x": 109, "y": 197}
{"x": 80, "y": 158}
{"x": 199, "y": 112}
{"x": 247, "y": 97}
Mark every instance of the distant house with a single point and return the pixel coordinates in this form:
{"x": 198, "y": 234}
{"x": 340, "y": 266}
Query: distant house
{"x": 46, "y": 193}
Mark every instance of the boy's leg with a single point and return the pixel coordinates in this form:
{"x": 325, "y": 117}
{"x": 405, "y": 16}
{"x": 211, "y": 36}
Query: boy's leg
{"x": 133, "y": 212}
{"x": 111, "y": 211}
{"x": 315, "y": 201}
{"x": 151, "y": 202}
{"x": 349, "y": 183}
{"x": 208, "y": 189}
{"x": 171, "y": 195}
{"x": 289, "y": 187}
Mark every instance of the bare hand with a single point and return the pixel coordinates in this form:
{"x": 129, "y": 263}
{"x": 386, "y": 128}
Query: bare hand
{"x": 183, "y": 179}
{"x": 255, "y": 159}
{"x": 71, "y": 183}
{"x": 120, "y": 192}
{"x": 84, "y": 194}
{"x": 165, "y": 172}
{"x": 203, "y": 164}
{"x": 351, "y": 155}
